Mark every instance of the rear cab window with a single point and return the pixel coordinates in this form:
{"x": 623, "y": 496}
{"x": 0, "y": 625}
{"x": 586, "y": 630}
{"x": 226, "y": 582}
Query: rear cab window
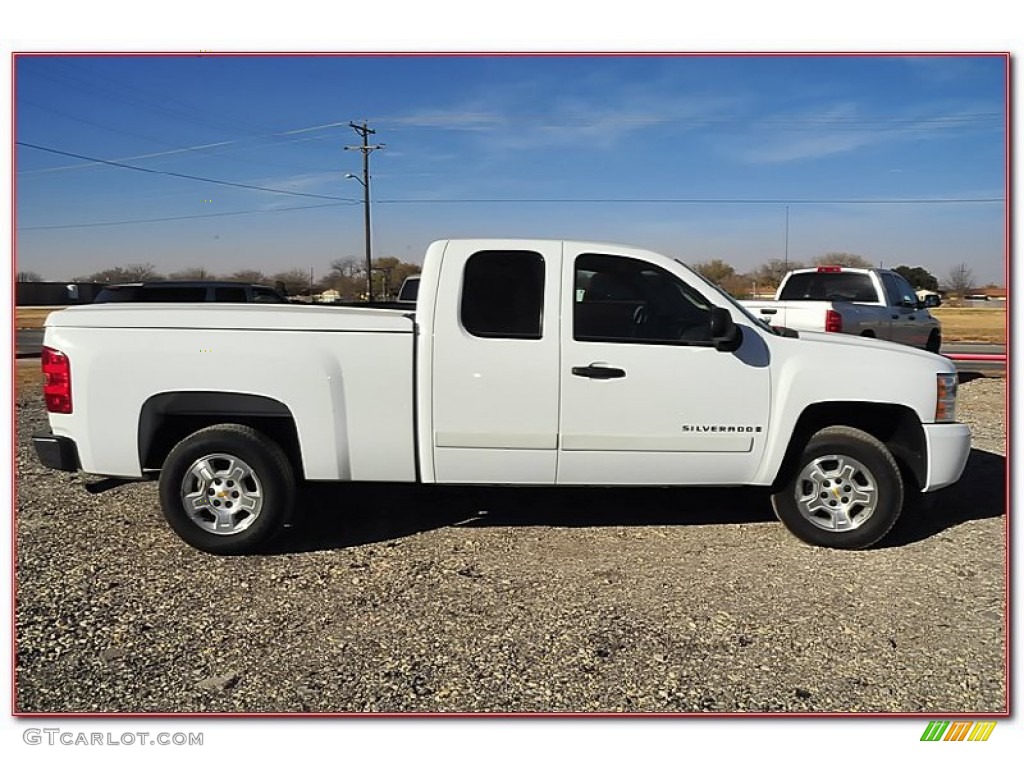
{"x": 230, "y": 293}
{"x": 122, "y": 293}
{"x": 172, "y": 293}
{"x": 829, "y": 286}
{"x": 503, "y": 295}
{"x": 266, "y": 296}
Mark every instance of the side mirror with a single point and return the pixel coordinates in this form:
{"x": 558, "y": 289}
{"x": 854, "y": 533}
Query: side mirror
{"x": 922, "y": 304}
{"x": 725, "y": 334}
{"x": 72, "y": 292}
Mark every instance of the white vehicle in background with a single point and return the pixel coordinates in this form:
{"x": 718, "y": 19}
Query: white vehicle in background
{"x": 525, "y": 362}
{"x": 876, "y": 303}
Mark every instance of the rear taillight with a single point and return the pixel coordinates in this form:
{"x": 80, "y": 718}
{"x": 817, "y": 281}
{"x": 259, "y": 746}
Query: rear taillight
{"x": 56, "y": 381}
{"x": 833, "y": 321}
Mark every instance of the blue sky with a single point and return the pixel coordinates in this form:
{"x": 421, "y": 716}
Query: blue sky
{"x": 587, "y": 147}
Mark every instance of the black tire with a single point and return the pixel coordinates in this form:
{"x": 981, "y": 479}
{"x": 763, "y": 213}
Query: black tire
{"x": 842, "y": 472}
{"x": 934, "y": 343}
{"x": 247, "y": 476}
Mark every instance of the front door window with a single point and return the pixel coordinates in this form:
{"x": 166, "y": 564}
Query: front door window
{"x": 619, "y": 299}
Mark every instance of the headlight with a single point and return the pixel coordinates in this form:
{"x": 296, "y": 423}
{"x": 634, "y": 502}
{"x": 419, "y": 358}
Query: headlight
{"x": 945, "y": 397}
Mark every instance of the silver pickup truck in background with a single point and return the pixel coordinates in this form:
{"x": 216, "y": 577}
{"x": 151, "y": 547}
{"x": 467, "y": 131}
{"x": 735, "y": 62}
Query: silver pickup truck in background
{"x": 876, "y": 303}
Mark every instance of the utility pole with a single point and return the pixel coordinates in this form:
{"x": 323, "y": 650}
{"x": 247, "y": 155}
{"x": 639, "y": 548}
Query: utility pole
{"x": 786, "y": 259}
{"x": 366, "y": 149}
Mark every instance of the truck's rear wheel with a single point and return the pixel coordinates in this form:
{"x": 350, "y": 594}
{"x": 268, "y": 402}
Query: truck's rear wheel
{"x": 846, "y": 491}
{"x": 226, "y": 489}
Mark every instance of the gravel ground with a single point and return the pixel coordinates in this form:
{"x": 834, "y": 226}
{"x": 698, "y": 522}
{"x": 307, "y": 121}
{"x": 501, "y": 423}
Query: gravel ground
{"x": 393, "y": 599}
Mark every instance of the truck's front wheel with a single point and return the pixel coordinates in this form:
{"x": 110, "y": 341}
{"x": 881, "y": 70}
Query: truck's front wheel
{"x": 226, "y": 489}
{"x": 846, "y": 491}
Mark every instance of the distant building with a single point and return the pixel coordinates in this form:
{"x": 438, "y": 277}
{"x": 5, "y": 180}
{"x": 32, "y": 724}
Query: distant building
{"x": 329, "y": 296}
{"x": 993, "y": 293}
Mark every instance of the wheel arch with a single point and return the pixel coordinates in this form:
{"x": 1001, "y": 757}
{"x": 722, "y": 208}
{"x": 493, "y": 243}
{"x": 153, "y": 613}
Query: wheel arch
{"x": 897, "y": 426}
{"x": 169, "y": 417}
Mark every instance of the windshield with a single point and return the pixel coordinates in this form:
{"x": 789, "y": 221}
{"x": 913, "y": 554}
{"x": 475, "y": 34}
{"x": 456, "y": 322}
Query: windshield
{"x": 743, "y": 310}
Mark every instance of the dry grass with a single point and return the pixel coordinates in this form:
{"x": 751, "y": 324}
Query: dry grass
{"x": 32, "y": 317}
{"x": 969, "y": 324}
{"x": 29, "y": 376}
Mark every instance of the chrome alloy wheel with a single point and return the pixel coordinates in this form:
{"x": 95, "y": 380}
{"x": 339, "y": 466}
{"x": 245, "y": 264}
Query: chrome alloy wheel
{"x": 836, "y": 493}
{"x": 221, "y": 494}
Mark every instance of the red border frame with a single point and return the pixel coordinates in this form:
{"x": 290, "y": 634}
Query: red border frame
{"x": 1007, "y": 207}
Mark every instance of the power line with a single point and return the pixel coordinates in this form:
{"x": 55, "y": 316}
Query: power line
{"x": 182, "y": 218}
{"x": 355, "y": 202}
{"x": 203, "y": 148}
{"x": 221, "y": 182}
{"x": 120, "y": 92}
{"x": 862, "y": 124}
{"x": 709, "y": 201}
{"x": 696, "y": 200}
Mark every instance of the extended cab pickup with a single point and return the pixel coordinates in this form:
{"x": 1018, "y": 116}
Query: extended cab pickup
{"x": 876, "y": 303}
{"x": 528, "y": 362}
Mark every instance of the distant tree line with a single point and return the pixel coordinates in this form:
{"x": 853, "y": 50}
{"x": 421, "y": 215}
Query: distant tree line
{"x": 347, "y": 276}
{"x": 767, "y": 277}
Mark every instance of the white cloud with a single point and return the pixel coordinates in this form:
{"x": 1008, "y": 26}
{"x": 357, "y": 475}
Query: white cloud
{"x": 844, "y": 128}
{"x": 532, "y": 115}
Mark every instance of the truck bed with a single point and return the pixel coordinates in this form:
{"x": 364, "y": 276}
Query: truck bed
{"x": 345, "y": 376}
{"x": 237, "y": 316}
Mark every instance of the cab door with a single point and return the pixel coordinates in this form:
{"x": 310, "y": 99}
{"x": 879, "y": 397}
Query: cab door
{"x": 495, "y": 363}
{"x": 910, "y": 325}
{"x": 646, "y": 398}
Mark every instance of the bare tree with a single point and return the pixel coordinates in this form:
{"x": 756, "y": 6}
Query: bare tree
{"x": 347, "y": 276}
{"x": 249, "y": 276}
{"x": 28, "y": 277}
{"x": 770, "y": 275}
{"x": 192, "y": 273}
{"x": 715, "y": 270}
{"x": 346, "y": 267}
{"x": 961, "y": 280}
{"x": 129, "y": 273}
{"x": 842, "y": 259}
{"x": 295, "y": 281}
{"x": 388, "y": 275}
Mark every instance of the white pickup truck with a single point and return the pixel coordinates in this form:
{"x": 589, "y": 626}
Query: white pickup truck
{"x": 529, "y": 362}
{"x": 876, "y": 303}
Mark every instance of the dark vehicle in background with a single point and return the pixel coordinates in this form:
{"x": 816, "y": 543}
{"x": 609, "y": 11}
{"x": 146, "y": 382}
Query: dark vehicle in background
{"x": 189, "y": 290}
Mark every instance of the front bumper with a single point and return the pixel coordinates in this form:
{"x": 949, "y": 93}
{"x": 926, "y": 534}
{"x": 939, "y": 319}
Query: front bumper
{"x": 948, "y": 446}
{"x": 57, "y": 452}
